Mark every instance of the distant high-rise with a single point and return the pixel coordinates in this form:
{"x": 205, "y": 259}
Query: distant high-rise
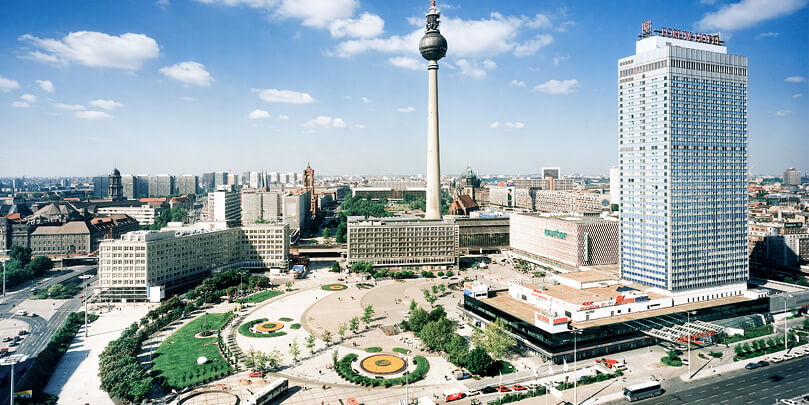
{"x": 792, "y": 177}
{"x": 260, "y": 205}
{"x": 682, "y": 134}
{"x": 208, "y": 182}
{"x": 615, "y": 186}
{"x": 128, "y": 185}
{"x": 101, "y": 186}
{"x": 116, "y": 191}
{"x": 225, "y": 205}
{"x": 551, "y": 172}
{"x": 142, "y": 186}
{"x": 161, "y": 185}
{"x": 309, "y": 185}
{"x": 188, "y": 184}
{"x": 219, "y": 178}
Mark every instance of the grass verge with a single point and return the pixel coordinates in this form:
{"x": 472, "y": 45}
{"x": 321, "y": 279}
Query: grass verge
{"x": 263, "y": 296}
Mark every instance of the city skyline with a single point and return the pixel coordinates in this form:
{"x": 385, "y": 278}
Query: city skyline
{"x": 159, "y": 90}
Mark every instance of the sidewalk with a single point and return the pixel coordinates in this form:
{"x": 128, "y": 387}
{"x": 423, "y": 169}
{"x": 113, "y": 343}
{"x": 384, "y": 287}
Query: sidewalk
{"x": 76, "y": 379}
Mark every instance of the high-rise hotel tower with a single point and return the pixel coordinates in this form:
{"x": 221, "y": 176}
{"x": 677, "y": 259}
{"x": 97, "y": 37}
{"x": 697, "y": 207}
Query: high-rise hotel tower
{"x": 682, "y": 135}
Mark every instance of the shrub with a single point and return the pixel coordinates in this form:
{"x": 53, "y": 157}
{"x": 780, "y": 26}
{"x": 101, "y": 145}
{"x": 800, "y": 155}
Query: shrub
{"x": 285, "y": 319}
{"x": 346, "y": 372}
{"x": 374, "y": 349}
{"x": 295, "y": 326}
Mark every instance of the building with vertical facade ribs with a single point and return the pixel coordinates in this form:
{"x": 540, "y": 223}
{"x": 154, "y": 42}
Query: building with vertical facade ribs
{"x": 564, "y": 241}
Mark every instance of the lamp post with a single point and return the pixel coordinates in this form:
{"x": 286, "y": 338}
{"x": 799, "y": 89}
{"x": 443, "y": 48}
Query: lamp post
{"x": 407, "y": 382}
{"x": 4, "y": 271}
{"x": 688, "y": 341}
{"x": 11, "y": 361}
{"x": 85, "y": 277}
{"x": 575, "y": 385}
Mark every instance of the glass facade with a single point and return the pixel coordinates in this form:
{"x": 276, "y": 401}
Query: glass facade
{"x": 682, "y": 129}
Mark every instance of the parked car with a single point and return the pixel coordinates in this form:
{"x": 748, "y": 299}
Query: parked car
{"x": 763, "y": 363}
{"x": 503, "y": 388}
{"x": 256, "y": 374}
{"x": 751, "y": 366}
{"x": 488, "y": 390}
{"x": 776, "y": 359}
{"x": 518, "y": 387}
{"x": 6, "y": 339}
{"x": 22, "y": 332}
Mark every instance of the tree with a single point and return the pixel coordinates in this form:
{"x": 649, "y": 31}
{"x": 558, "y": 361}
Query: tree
{"x": 418, "y": 318}
{"x": 368, "y": 314}
{"x": 442, "y": 288}
{"x": 288, "y": 285}
{"x": 56, "y": 290}
{"x": 273, "y": 359}
{"x": 310, "y": 344}
{"x": 428, "y": 297}
{"x": 40, "y": 265}
{"x": 495, "y": 339}
{"x": 437, "y": 334}
{"x": 342, "y": 327}
{"x": 478, "y": 361}
{"x": 335, "y": 355}
{"x": 413, "y": 305}
{"x": 294, "y": 350}
{"x": 437, "y": 313}
{"x": 457, "y": 349}
{"x": 335, "y": 267}
{"x": 354, "y": 324}
{"x": 434, "y": 288}
{"x": 326, "y": 337}
{"x": 326, "y": 234}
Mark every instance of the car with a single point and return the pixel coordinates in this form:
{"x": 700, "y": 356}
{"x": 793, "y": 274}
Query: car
{"x": 751, "y": 366}
{"x": 788, "y": 356}
{"x": 6, "y": 339}
{"x": 503, "y": 388}
{"x": 763, "y": 363}
{"x": 518, "y": 387}
{"x": 472, "y": 393}
{"x": 799, "y": 353}
{"x": 13, "y": 343}
{"x": 22, "y": 332}
{"x": 256, "y": 374}
{"x": 776, "y": 359}
{"x": 488, "y": 390}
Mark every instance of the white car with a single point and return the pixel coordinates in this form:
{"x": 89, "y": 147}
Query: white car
{"x": 776, "y": 359}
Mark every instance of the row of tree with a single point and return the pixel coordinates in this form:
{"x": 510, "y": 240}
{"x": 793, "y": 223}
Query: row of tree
{"x": 226, "y": 282}
{"x": 176, "y": 214}
{"x": 121, "y": 374}
{"x": 21, "y": 268}
{"x": 438, "y": 333}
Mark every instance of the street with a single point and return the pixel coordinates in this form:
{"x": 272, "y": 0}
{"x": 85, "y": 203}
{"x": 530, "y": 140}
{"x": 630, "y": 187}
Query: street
{"x": 40, "y": 331}
{"x": 760, "y": 386}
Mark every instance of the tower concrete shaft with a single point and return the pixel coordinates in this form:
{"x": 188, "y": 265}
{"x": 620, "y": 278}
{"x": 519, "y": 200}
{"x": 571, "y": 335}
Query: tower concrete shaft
{"x": 433, "y": 203}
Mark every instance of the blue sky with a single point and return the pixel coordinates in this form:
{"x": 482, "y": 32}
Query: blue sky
{"x": 187, "y": 86}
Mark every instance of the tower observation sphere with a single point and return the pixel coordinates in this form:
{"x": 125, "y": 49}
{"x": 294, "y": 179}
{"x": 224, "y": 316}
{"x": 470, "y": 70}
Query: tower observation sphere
{"x": 433, "y": 45}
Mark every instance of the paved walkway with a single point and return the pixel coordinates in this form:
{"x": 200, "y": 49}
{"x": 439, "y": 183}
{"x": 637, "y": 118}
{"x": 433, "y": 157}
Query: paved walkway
{"x": 76, "y": 379}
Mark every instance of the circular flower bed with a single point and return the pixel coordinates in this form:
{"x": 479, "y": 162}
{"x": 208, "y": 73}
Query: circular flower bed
{"x": 383, "y": 364}
{"x": 251, "y": 329}
{"x": 268, "y": 327}
{"x": 334, "y": 287}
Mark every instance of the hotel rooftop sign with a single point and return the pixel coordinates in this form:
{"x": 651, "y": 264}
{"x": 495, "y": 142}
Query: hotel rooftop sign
{"x": 646, "y": 31}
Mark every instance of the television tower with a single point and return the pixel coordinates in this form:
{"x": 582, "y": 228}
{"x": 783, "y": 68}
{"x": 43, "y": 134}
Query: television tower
{"x": 433, "y": 46}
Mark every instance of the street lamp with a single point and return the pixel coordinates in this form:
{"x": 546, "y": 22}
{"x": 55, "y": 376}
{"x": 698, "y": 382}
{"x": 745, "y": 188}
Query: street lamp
{"x": 4, "y": 271}
{"x": 688, "y": 341}
{"x": 11, "y": 361}
{"x": 85, "y": 277}
{"x": 575, "y": 393}
{"x": 407, "y": 382}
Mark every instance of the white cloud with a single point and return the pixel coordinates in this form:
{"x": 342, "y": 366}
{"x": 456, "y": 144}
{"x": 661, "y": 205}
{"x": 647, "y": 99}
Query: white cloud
{"x": 366, "y": 26}
{"x": 29, "y": 98}
{"x": 539, "y": 21}
{"x": 283, "y": 117}
{"x": 8, "y": 84}
{"x": 106, "y": 104}
{"x": 767, "y": 35}
{"x": 795, "y": 79}
{"x": 314, "y": 13}
{"x": 798, "y": 95}
{"x": 189, "y": 99}
{"x": 747, "y": 13}
{"x": 324, "y": 122}
{"x": 258, "y": 114}
{"x": 557, "y": 59}
{"x": 20, "y": 104}
{"x": 482, "y": 38}
{"x": 366, "y": 100}
{"x": 531, "y": 47}
{"x": 517, "y": 83}
{"x": 97, "y": 49}
{"x": 405, "y": 109}
{"x": 70, "y": 107}
{"x": 494, "y": 124}
{"x": 406, "y": 62}
{"x": 515, "y": 125}
{"x": 93, "y": 115}
{"x": 46, "y": 85}
{"x": 782, "y": 113}
{"x": 473, "y": 70}
{"x": 188, "y": 72}
{"x": 558, "y": 87}
{"x": 284, "y": 96}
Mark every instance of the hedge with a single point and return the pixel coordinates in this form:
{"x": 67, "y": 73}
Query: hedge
{"x": 295, "y": 326}
{"x": 244, "y": 329}
{"x": 284, "y": 319}
{"x": 374, "y": 349}
{"x": 346, "y": 372}
{"x": 47, "y": 360}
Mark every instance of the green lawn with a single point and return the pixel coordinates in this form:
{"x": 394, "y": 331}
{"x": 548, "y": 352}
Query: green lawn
{"x": 264, "y": 295}
{"x": 176, "y": 358}
{"x": 374, "y": 349}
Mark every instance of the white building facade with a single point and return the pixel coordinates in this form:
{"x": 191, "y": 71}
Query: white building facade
{"x": 682, "y": 132}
